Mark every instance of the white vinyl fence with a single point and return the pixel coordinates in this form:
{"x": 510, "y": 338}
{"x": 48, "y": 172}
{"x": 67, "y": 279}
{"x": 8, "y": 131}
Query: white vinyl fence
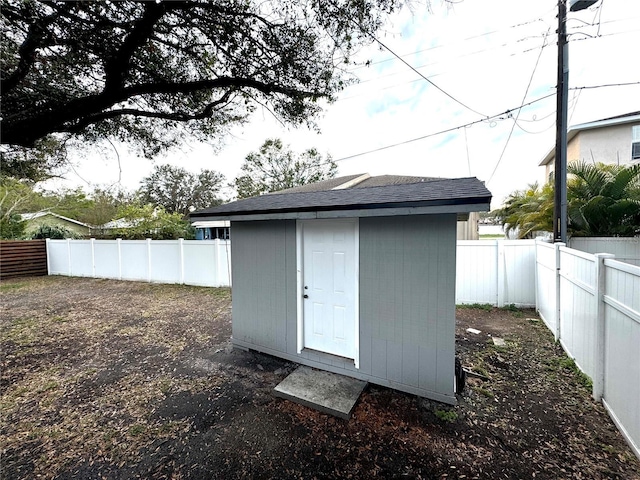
{"x": 498, "y": 272}
{"x": 191, "y": 262}
{"x": 626, "y": 249}
{"x": 592, "y": 305}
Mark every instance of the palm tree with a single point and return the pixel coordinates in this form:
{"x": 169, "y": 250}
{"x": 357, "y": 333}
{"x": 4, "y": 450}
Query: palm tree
{"x": 529, "y": 211}
{"x": 603, "y": 199}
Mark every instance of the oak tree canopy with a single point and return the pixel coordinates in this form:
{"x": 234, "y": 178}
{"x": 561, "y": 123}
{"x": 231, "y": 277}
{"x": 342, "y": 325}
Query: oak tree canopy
{"x": 149, "y": 72}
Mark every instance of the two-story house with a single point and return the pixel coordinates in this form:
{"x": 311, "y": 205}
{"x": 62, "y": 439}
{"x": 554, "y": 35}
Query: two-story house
{"x": 610, "y": 140}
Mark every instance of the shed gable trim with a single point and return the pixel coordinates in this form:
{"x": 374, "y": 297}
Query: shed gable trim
{"x": 461, "y": 210}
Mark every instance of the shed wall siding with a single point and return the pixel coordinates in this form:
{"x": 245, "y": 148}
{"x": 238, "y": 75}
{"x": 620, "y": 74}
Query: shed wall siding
{"x": 407, "y": 300}
{"x": 263, "y": 260}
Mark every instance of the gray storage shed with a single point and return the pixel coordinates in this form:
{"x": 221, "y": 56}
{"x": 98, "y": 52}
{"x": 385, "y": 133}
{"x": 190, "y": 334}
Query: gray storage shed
{"x": 354, "y": 275}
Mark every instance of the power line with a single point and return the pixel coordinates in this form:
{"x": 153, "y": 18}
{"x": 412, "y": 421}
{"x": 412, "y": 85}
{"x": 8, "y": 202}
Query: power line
{"x": 526, "y": 92}
{"x": 500, "y": 116}
{"x": 624, "y": 84}
{"x": 473, "y": 37}
{"x": 415, "y": 70}
{"x": 497, "y": 116}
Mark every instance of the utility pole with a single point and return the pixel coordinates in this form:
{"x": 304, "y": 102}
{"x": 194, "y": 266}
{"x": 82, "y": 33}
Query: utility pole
{"x": 560, "y": 165}
{"x": 562, "y": 92}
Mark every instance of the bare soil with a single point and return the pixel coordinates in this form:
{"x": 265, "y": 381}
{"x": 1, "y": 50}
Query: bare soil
{"x": 107, "y": 379}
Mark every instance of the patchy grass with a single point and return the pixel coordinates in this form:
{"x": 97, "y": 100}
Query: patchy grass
{"x": 487, "y": 307}
{"x": 446, "y": 415}
{"x": 11, "y": 286}
{"x": 516, "y": 311}
{"x": 567, "y": 364}
{"x": 107, "y": 379}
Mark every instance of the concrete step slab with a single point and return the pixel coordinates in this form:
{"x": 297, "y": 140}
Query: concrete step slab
{"x": 324, "y": 391}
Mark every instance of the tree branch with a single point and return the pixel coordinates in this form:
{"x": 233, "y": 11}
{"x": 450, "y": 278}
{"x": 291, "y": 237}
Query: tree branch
{"x": 27, "y": 52}
{"x": 177, "y": 116}
{"x": 116, "y": 67}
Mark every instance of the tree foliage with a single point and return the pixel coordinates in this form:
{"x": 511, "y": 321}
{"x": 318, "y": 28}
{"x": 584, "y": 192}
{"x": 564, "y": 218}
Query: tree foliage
{"x": 149, "y": 221}
{"x": 602, "y": 200}
{"x": 275, "y": 167}
{"x": 179, "y": 191}
{"x": 12, "y": 227}
{"x": 15, "y": 195}
{"x": 43, "y": 161}
{"x": 55, "y": 232}
{"x": 138, "y": 70}
{"x": 528, "y": 212}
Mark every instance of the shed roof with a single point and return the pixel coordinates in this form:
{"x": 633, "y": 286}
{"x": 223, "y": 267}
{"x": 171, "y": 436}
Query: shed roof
{"x": 370, "y": 196}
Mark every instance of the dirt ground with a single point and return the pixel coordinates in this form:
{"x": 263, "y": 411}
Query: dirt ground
{"x": 117, "y": 380}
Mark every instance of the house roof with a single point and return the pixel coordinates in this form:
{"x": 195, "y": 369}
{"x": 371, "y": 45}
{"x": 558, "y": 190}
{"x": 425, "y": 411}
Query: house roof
{"x": 632, "y": 117}
{"x": 34, "y": 215}
{"x": 363, "y": 196}
{"x": 118, "y": 223}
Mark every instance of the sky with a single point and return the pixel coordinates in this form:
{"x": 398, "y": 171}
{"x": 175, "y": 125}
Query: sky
{"x": 484, "y": 59}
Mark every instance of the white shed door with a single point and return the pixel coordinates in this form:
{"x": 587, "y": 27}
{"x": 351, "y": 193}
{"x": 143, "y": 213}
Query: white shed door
{"x": 329, "y": 286}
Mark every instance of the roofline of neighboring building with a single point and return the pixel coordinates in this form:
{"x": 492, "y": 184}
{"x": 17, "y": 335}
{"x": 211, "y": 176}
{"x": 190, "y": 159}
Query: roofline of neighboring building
{"x": 605, "y": 122}
{"x": 42, "y": 214}
{"x": 211, "y": 224}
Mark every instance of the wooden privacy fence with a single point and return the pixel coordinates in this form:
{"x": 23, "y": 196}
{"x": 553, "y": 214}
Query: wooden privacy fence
{"x": 22, "y": 258}
{"x": 591, "y": 303}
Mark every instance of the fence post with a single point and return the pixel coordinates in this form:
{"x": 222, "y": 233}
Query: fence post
{"x": 558, "y": 309}
{"x": 119, "y": 245}
{"x": 148, "y": 260}
{"x": 218, "y": 279}
{"x": 69, "y": 257}
{"x": 93, "y": 258}
{"x": 181, "y": 246}
{"x": 47, "y": 244}
{"x": 536, "y": 276}
{"x": 500, "y": 272}
{"x": 598, "y": 377}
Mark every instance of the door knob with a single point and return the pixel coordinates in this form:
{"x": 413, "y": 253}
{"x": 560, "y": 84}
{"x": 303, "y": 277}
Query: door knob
{"x": 305, "y": 296}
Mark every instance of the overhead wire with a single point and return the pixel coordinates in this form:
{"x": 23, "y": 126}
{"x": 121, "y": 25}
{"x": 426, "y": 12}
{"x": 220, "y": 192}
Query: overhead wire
{"x": 383, "y": 45}
{"x": 504, "y": 115}
{"x": 447, "y": 130}
{"x": 473, "y": 37}
{"x": 500, "y": 116}
{"x": 526, "y": 92}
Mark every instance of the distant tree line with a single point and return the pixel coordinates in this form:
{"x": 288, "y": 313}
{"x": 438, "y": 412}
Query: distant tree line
{"x": 160, "y": 207}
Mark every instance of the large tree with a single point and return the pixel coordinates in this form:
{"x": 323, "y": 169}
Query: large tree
{"x": 137, "y": 70}
{"x": 276, "y": 167}
{"x": 180, "y": 191}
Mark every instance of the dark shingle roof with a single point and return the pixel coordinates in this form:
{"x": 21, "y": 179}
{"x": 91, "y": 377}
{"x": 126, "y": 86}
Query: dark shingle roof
{"x": 383, "y": 180}
{"x": 319, "y": 186}
{"x": 434, "y": 192}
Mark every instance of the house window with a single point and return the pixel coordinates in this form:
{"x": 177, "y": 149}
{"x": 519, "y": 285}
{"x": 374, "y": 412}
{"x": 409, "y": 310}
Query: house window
{"x": 635, "y": 143}
{"x": 220, "y": 232}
